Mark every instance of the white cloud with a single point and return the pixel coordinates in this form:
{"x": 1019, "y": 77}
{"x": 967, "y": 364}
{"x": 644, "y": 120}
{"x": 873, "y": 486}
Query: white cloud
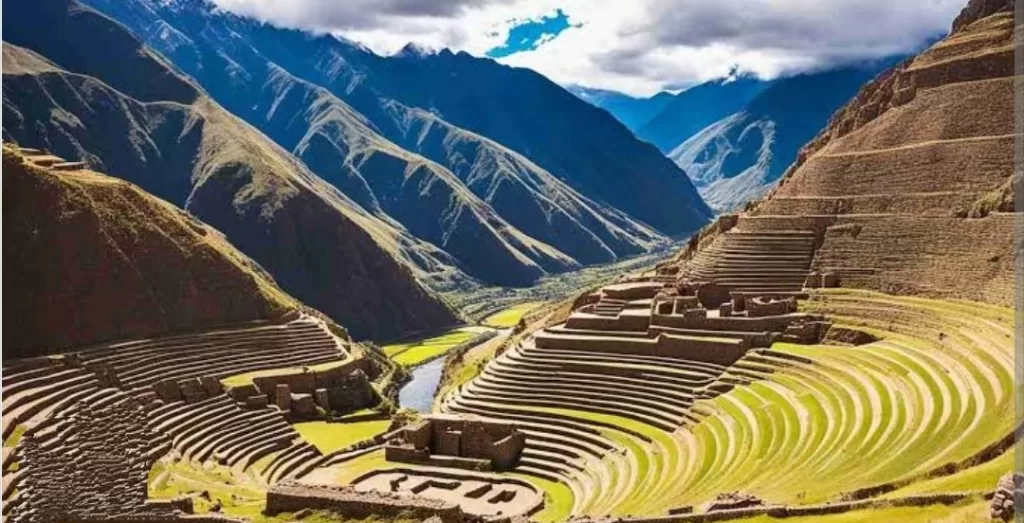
{"x": 637, "y": 46}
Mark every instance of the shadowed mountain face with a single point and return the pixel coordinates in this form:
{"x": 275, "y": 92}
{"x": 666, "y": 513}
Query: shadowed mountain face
{"x": 123, "y": 110}
{"x": 633, "y": 112}
{"x": 488, "y": 125}
{"x": 93, "y": 258}
{"x": 698, "y": 107}
{"x": 738, "y": 158}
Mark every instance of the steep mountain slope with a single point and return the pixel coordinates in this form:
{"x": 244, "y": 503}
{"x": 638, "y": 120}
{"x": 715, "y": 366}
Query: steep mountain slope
{"x": 633, "y": 112}
{"x": 512, "y": 108}
{"x": 911, "y": 183}
{"x": 432, "y": 198}
{"x": 121, "y": 108}
{"x": 698, "y": 107}
{"x": 92, "y": 258}
{"x": 738, "y": 158}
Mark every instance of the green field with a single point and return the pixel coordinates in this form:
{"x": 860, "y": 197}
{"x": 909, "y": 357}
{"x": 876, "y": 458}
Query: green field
{"x": 511, "y": 316}
{"x": 413, "y": 353}
{"x": 972, "y": 513}
{"x": 329, "y": 437}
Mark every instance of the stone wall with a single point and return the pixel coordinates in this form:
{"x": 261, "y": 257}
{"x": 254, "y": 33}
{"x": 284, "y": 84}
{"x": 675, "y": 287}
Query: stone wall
{"x": 714, "y": 350}
{"x": 457, "y": 441}
{"x": 342, "y": 389}
{"x": 347, "y": 502}
{"x": 97, "y": 471}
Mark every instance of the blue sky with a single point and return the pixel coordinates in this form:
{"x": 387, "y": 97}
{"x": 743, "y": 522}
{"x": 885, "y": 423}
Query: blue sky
{"x": 530, "y": 34}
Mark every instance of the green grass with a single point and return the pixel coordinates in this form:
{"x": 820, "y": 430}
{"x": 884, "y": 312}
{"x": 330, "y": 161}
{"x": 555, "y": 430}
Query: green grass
{"x": 240, "y": 380}
{"x": 980, "y": 478}
{"x": 15, "y": 436}
{"x": 328, "y": 437}
{"x": 510, "y": 317}
{"x": 558, "y": 499}
{"x": 238, "y": 496}
{"x": 971, "y": 513}
{"x": 413, "y": 353}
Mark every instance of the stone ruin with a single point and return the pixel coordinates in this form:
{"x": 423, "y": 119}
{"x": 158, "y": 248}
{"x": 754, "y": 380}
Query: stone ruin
{"x": 311, "y": 394}
{"x": 459, "y": 442}
{"x": 478, "y": 494}
{"x": 95, "y": 471}
{"x": 346, "y": 501}
{"x": 1008, "y": 494}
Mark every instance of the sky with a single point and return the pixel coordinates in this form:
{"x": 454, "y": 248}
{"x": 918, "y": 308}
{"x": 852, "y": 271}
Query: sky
{"x": 637, "y": 47}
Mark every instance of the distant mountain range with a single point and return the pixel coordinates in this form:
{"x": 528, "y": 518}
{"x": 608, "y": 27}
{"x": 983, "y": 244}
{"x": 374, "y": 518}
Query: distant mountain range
{"x": 347, "y": 175}
{"x": 460, "y": 151}
{"x": 633, "y": 112}
{"x": 734, "y": 137}
{"x": 740, "y": 157}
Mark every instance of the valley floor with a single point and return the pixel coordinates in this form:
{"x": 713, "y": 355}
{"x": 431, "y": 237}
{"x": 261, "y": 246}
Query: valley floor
{"x": 481, "y": 302}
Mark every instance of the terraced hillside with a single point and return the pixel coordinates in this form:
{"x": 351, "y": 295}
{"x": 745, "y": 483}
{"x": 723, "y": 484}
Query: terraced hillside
{"x": 667, "y": 392}
{"x": 792, "y": 424}
{"x": 922, "y": 158}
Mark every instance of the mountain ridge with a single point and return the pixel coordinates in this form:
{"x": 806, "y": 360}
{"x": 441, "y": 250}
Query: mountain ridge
{"x": 205, "y": 160}
{"x": 592, "y": 232}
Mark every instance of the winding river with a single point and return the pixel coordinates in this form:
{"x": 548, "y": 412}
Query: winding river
{"x": 418, "y": 393}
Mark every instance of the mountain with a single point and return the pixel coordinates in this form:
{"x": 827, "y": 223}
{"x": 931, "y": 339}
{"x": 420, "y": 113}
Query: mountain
{"x": 93, "y": 258}
{"x": 123, "y": 109}
{"x": 614, "y": 186}
{"x": 911, "y": 183}
{"x": 698, "y": 107}
{"x": 633, "y": 112}
{"x": 738, "y": 158}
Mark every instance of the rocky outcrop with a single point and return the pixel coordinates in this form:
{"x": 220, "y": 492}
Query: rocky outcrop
{"x": 145, "y": 123}
{"x": 94, "y": 258}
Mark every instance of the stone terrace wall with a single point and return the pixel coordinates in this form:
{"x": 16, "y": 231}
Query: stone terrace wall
{"x": 940, "y": 257}
{"x": 96, "y": 471}
{"x": 346, "y": 501}
{"x": 713, "y": 350}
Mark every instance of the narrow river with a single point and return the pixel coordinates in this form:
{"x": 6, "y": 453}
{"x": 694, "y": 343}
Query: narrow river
{"x": 418, "y": 394}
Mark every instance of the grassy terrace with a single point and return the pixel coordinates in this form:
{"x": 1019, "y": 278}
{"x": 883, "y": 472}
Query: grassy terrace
{"x": 970, "y": 513}
{"x": 329, "y": 437}
{"x": 511, "y": 316}
{"x": 240, "y": 380}
{"x": 413, "y": 353}
{"x": 935, "y": 389}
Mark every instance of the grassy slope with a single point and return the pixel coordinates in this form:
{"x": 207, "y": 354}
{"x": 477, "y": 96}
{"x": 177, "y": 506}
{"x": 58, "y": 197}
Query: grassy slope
{"x": 413, "y": 353}
{"x": 329, "y": 437}
{"x": 935, "y": 389}
{"x": 510, "y": 317}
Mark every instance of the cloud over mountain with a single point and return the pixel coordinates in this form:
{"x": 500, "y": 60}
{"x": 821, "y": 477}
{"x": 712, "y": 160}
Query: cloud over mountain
{"x": 638, "y": 47}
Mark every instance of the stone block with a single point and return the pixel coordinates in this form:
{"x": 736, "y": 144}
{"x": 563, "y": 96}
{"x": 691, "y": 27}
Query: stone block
{"x": 449, "y": 443}
{"x": 283, "y": 397}
{"x": 211, "y": 385}
{"x": 322, "y": 399}
{"x": 303, "y": 406}
{"x": 257, "y": 402}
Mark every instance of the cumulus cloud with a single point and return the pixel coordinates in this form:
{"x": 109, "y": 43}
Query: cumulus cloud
{"x": 637, "y": 46}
